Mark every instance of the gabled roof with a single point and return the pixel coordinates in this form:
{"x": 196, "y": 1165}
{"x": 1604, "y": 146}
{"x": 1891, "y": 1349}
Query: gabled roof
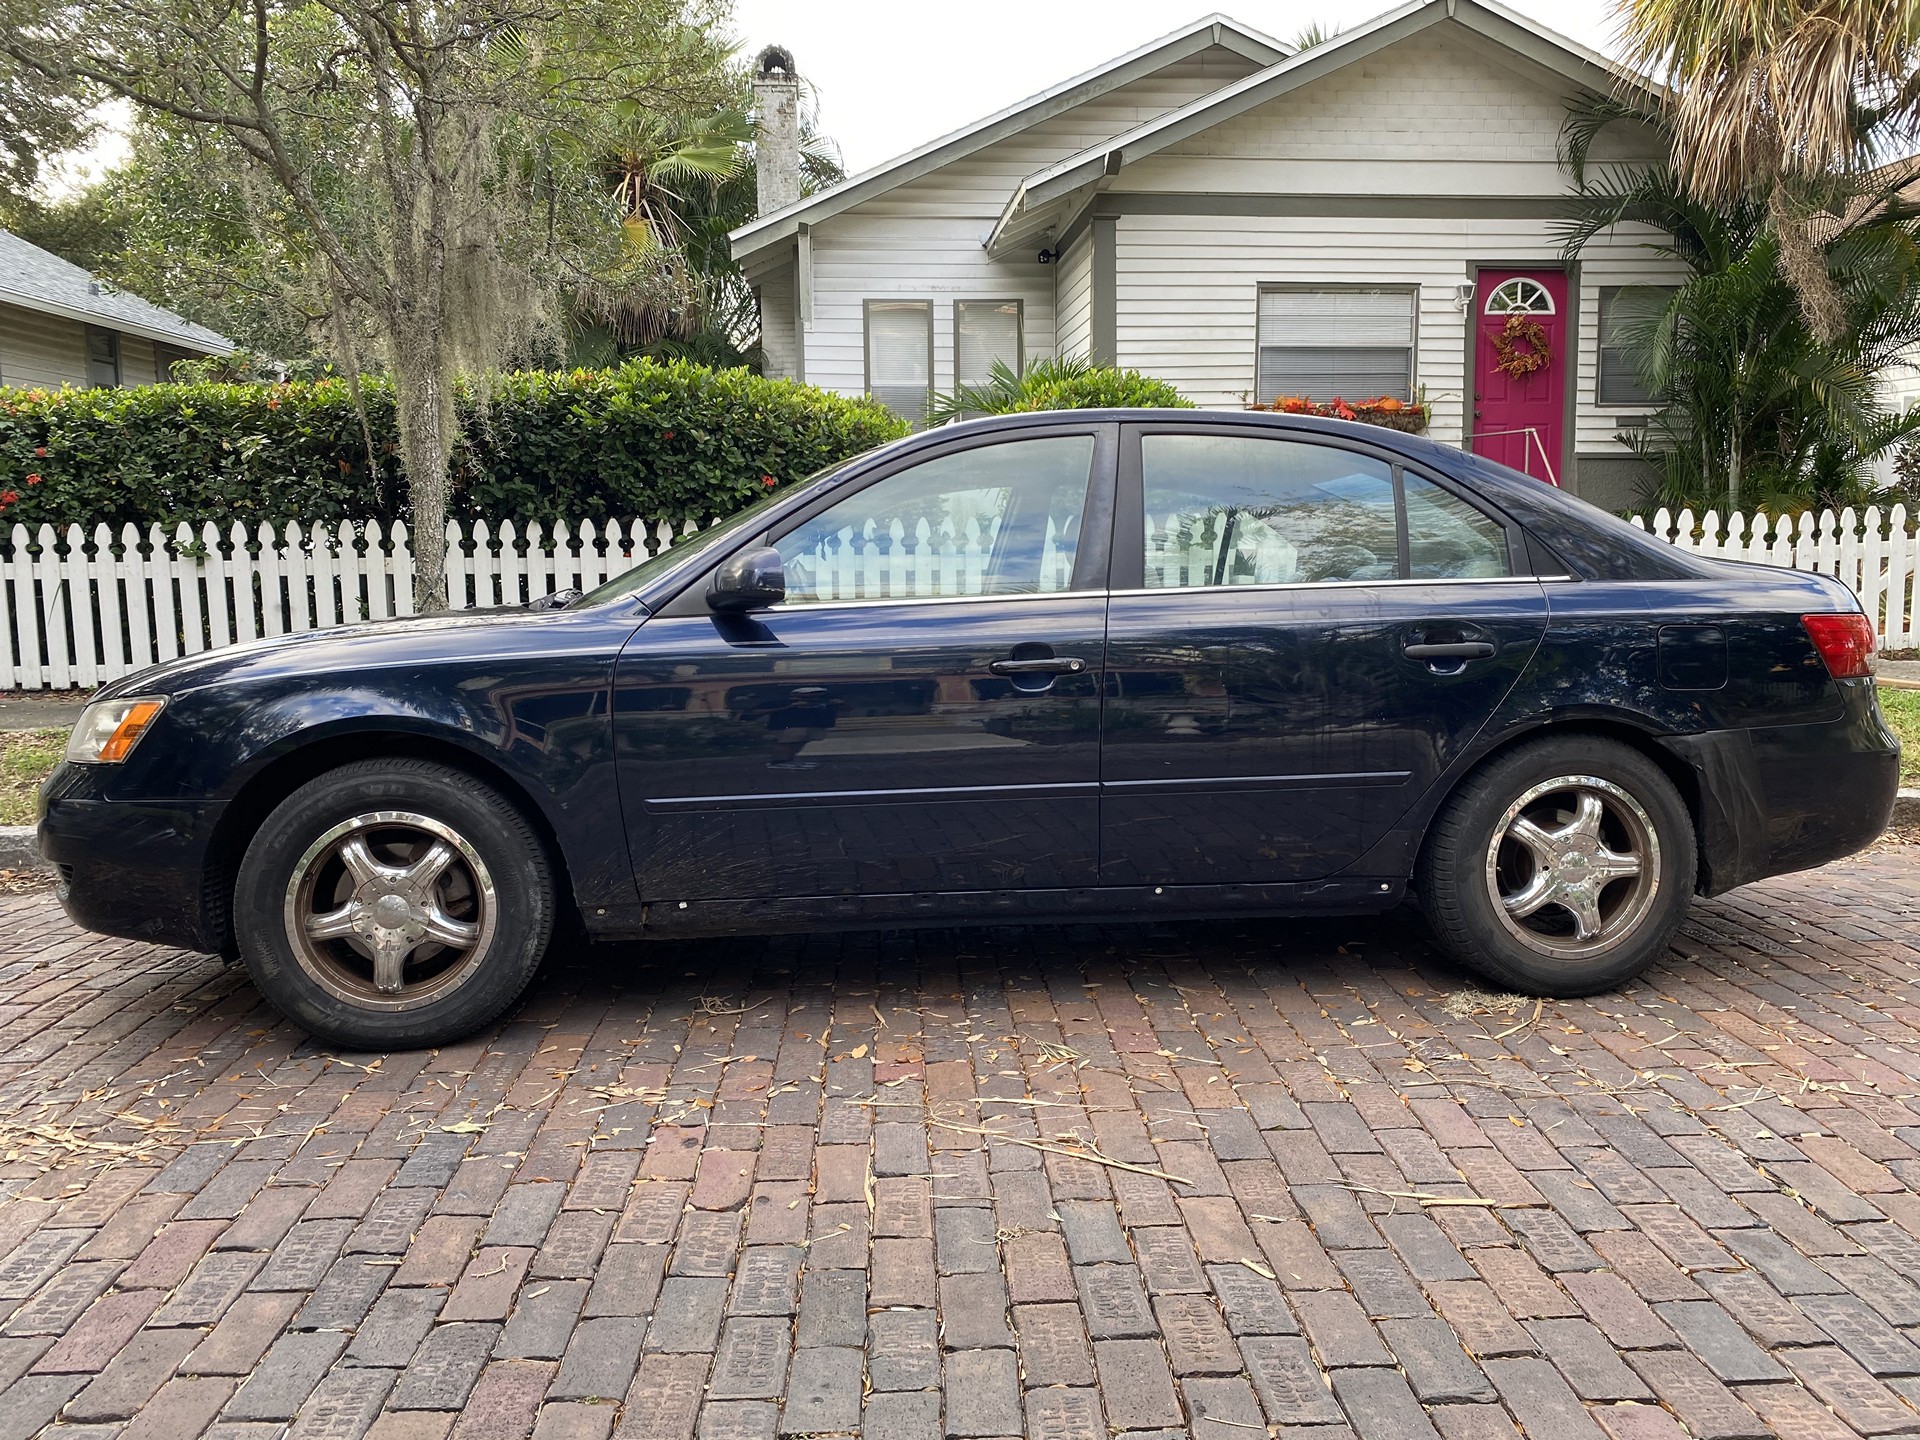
{"x": 1565, "y": 57}
{"x": 37, "y": 279}
{"x": 1202, "y": 34}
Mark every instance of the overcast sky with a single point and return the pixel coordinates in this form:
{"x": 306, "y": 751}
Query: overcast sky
{"x": 889, "y": 75}
{"x": 892, "y": 74}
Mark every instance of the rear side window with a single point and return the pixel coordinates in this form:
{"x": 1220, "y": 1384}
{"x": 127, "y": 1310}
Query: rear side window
{"x": 1447, "y": 539}
{"x": 1253, "y": 510}
{"x": 1242, "y": 510}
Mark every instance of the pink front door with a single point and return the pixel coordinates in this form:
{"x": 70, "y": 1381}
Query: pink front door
{"x": 1519, "y": 419}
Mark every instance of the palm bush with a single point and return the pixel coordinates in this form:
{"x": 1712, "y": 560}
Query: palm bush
{"x": 1068, "y": 383}
{"x": 1753, "y": 405}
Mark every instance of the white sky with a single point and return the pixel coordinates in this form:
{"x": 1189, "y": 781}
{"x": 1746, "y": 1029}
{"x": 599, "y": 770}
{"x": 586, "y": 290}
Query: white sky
{"x": 892, "y": 74}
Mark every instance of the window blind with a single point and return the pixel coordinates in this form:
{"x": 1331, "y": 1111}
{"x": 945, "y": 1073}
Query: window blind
{"x": 985, "y": 331}
{"x": 900, "y": 356}
{"x": 1319, "y": 344}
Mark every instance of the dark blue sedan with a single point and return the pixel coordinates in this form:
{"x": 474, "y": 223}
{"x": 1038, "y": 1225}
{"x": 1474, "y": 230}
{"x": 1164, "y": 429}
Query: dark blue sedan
{"x": 1078, "y": 665}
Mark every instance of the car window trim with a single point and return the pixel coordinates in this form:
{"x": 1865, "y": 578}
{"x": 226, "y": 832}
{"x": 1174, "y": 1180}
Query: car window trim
{"x": 1118, "y": 593}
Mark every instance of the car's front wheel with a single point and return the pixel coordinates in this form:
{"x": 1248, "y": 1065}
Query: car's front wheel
{"x": 1561, "y": 868}
{"x": 393, "y": 903}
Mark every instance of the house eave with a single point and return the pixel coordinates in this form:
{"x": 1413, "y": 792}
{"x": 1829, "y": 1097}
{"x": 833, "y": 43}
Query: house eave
{"x": 1203, "y": 34}
{"x": 79, "y": 313}
{"x": 1097, "y": 165}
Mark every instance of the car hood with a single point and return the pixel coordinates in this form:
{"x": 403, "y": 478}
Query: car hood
{"x": 373, "y": 644}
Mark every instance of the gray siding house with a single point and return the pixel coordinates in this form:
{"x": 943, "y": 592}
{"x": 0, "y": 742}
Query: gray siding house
{"x": 1362, "y": 218}
{"x": 60, "y": 326}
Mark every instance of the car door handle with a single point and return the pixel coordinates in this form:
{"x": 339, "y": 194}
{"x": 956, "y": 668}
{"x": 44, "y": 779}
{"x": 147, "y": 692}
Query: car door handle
{"x": 1045, "y": 665}
{"x": 1456, "y": 650}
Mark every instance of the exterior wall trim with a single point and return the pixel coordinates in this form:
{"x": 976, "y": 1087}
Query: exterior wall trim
{"x": 1104, "y": 339}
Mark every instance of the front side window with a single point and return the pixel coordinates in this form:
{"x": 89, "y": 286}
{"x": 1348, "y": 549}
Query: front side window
{"x": 991, "y": 520}
{"x": 985, "y": 331}
{"x": 1242, "y": 510}
{"x": 900, "y": 356}
{"x": 1335, "y": 344}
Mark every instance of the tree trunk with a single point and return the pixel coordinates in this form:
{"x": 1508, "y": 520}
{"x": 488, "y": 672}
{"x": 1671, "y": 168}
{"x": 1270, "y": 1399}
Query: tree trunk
{"x": 1733, "y": 468}
{"x": 423, "y": 406}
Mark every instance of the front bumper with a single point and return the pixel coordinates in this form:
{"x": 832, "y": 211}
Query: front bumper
{"x": 1779, "y": 798}
{"x": 133, "y": 869}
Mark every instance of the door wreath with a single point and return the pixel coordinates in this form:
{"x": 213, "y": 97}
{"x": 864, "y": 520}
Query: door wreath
{"x": 1521, "y": 345}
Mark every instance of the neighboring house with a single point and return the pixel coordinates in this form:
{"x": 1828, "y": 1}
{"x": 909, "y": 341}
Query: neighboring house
{"x": 60, "y": 326}
{"x": 1357, "y": 219}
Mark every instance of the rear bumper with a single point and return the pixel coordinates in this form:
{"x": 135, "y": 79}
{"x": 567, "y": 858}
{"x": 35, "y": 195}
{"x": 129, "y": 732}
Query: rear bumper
{"x": 131, "y": 869}
{"x": 1789, "y": 797}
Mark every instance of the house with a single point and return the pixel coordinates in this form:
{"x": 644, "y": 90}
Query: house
{"x": 60, "y": 326}
{"x": 1375, "y": 215}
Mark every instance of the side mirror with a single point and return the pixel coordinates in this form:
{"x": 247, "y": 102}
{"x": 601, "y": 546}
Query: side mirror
{"x": 751, "y": 580}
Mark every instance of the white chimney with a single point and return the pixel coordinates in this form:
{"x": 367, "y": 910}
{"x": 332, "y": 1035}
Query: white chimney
{"x": 776, "y": 103}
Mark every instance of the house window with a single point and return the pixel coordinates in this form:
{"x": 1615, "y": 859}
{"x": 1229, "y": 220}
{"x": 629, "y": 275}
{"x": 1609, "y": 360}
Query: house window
{"x": 1321, "y": 344}
{"x": 1619, "y": 382}
{"x": 900, "y": 356}
{"x": 165, "y": 357}
{"x": 985, "y": 331}
{"x": 103, "y": 358}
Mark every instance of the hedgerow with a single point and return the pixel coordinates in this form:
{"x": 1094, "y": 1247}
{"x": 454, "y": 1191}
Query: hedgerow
{"x": 669, "y": 441}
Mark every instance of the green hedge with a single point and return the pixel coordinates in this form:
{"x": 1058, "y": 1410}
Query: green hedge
{"x": 669, "y": 441}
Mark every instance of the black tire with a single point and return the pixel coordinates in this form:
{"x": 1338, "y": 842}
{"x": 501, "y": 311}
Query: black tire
{"x": 494, "y": 885}
{"x": 1637, "y": 804}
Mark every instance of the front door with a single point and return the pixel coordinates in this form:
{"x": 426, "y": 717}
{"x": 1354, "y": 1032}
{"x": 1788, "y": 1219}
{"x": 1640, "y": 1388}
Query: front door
{"x": 1302, "y": 637}
{"x": 921, "y": 715}
{"x": 1520, "y": 370}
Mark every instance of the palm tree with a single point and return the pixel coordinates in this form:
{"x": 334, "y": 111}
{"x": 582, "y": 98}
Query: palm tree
{"x": 679, "y": 187}
{"x": 1753, "y": 403}
{"x": 1795, "y": 102}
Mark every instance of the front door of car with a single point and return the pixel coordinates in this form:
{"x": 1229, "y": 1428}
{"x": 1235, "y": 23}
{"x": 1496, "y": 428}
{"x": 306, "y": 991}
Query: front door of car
{"x": 920, "y": 715}
{"x": 1302, "y": 635}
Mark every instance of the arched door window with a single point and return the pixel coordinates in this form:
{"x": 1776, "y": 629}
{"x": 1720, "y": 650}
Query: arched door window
{"x": 1522, "y": 294}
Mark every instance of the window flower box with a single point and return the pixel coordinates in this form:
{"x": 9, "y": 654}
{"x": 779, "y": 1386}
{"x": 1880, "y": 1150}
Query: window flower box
{"x": 1384, "y": 410}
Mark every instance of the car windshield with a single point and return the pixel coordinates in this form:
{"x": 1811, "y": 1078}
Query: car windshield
{"x": 629, "y": 582}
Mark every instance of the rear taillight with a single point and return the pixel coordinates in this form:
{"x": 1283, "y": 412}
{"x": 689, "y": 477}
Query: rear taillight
{"x": 1845, "y": 642}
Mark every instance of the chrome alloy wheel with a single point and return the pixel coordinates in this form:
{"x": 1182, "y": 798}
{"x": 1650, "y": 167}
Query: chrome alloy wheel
{"x": 1573, "y": 867}
{"x": 390, "y": 910}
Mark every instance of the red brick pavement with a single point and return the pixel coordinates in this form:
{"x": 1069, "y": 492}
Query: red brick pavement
{"x": 804, "y": 1186}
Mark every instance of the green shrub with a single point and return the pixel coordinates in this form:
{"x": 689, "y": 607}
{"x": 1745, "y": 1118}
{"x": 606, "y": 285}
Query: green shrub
{"x": 1065, "y": 384}
{"x": 669, "y": 441}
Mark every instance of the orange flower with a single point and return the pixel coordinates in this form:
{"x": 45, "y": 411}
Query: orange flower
{"x": 34, "y": 479}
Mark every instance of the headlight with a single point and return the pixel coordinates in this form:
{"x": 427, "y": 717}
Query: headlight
{"x": 109, "y": 730}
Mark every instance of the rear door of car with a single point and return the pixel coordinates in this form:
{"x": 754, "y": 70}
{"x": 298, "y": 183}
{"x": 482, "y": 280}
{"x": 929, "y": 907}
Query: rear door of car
{"x": 921, "y": 715}
{"x": 1303, "y": 633}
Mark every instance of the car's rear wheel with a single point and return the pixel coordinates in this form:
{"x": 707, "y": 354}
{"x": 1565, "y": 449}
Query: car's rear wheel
{"x": 1563, "y": 867}
{"x": 393, "y": 903}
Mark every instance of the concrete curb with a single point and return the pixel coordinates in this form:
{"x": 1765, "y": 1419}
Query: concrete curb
{"x": 17, "y": 850}
{"x": 1906, "y": 808}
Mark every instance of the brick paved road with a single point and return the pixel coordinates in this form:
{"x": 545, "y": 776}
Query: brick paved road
{"x": 808, "y": 1186}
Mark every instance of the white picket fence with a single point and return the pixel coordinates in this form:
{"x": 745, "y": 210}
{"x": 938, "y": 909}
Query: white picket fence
{"x": 1875, "y": 554}
{"x": 77, "y": 609}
